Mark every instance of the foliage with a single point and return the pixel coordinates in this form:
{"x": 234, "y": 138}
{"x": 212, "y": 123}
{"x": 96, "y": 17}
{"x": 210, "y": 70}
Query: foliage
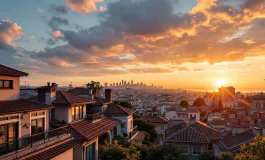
{"x": 147, "y": 127}
{"x": 199, "y": 102}
{"x": 95, "y": 86}
{"x": 207, "y": 156}
{"x": 136, "y": 116}
{"x": 227, "y": 156}
{"x": 125, "y": 104}
{"x": 203, "y": 113}
{"x": 184, "y": 104}
{"x": 117, "y": 152}
{"x": 254, "y": 151}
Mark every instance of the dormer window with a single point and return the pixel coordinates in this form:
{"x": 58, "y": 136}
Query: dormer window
{"x": 6, "y": 84}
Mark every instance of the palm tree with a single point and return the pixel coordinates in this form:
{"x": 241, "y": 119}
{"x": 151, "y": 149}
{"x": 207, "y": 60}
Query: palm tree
{"x": 96, "y": 87}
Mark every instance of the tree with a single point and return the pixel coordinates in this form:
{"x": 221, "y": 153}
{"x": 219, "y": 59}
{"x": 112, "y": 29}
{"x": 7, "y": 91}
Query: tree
{"x": 136, "y": 116}
{"x": 254, "y": 151}
{"x": 96, "y": 87}
{"x": 226, "y": 156}
{"x": 199, "y": 102}
{"x": 125, "y": 104}
{"x": 118, "y": 152}
{"x": 147, "y": 127}
{"x": 184, "y": 104}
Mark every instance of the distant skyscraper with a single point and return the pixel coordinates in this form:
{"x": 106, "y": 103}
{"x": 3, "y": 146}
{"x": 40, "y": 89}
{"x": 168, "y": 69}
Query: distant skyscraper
{"x": 132, "y": 82}
{"x": 117, "y": 84}
{"x": 122, "y": 83}
{"x": 106, "y": 84}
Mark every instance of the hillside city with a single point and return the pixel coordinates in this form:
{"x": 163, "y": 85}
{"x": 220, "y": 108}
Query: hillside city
{"x": 96, "y": 122}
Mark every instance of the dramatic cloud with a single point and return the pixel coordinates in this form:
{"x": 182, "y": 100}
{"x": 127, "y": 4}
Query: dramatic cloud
{"x": 56, "y": 22}
{"x": 82, "y": 6}
{"x": 58, "y": 9}
{"x": 8, "y": 31}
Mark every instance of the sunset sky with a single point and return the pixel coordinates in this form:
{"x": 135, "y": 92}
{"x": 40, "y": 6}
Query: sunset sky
{"x": 175, "y": 43}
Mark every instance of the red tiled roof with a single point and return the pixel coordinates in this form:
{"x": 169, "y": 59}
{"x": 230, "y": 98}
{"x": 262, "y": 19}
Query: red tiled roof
{"x": 6, "y": 71}
{"x": 155, "y": 119}
{"x": 233, "y": 143}
{"x": 51, "y": 151}
{"x": 197, "y": 133}
{"x": 90, "y": 130}
{"x": 188, "y": 110}
{"x": 99, "y": 100}
{"x": 139, "y": 135}
{"x": 118, "y": 110}
{"x": 79, "y": 91}
{"x": 17, "y": 106}
{"x": 63, "y": 97}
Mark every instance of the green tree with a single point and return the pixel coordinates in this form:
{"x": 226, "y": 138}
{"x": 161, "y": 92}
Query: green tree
{"x": 199, "y": 102}
{"x": 184, "y": 104}
{"x": 226, "y": 156}
{"x": 125, "y": 104}
{"x": 254, "y": 151}
{"x": 147, "y": 127}
{"x": 136, "y": 116}
{"x": 207, "y": 156}
{"x": 118, "y": 152}
{"x": 95, "y": 86}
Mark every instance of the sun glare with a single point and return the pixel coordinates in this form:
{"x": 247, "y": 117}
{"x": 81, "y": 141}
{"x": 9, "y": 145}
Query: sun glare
{"x": 219, "y": 82}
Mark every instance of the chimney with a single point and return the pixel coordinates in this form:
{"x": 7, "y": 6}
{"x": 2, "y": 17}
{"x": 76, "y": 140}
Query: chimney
{"x": 90, "y": 95}
{"x": 239, "y": 122}
{"x": 47, "y": 94}
{"x": 108, "y": 95}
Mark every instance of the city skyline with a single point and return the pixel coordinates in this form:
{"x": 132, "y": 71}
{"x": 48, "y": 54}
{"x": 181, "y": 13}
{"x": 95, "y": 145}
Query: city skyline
{"x": 186, "y": 44}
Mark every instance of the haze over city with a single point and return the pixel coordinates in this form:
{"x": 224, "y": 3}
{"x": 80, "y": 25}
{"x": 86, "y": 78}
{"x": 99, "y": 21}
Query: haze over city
{"x": 173, "y": 43}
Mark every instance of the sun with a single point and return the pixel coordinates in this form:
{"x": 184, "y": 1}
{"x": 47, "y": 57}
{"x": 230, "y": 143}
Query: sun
{"x": 219, "y": 82}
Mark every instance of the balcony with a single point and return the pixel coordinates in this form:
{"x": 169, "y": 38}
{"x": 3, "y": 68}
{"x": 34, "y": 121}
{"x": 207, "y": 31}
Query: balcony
{"x": 19, "y": 147}
{"x": 93, "y": 115}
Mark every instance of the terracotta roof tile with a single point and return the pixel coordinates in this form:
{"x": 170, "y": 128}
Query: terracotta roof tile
{"x": 51, "y": 151}
{"x": 155, "y": 119}
{"x": 198, "y": 133}
{"x": 118, "y": 110}
{"x": 90, "y": 130}
{"x": 63, "y": 97}
{"x": 217, "y": 122}
{"x": 16, "y": 106}
{"x": 6, "y": 71}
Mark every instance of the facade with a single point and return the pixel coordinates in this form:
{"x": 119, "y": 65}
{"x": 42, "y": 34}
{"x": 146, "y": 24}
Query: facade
{"x": 185, "y": 114}
{"x": 161, "y": 123}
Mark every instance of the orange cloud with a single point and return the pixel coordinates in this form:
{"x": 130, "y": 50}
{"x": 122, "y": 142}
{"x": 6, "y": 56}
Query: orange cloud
{"x": 83, "y": 6}
{"x": 9, "y": 31}
{"x": 57, "y": 34}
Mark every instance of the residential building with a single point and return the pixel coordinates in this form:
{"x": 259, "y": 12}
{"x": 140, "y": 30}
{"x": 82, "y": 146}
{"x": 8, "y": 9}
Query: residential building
{"x": 185, "y": 114}
{"x": 194, "y": 139}
{"x": 160, "y": 122}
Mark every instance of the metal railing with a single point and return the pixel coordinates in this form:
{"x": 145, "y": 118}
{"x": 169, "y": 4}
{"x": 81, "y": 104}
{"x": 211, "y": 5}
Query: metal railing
{"x": 32, "y": 141}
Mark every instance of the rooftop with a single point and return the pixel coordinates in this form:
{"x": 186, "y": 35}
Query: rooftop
{"x": 16, "y": 106}
{"x": 91, "y": 130}
{"x": 63, "y": 97}
{"x": 117, "y": 110}
{"x": 79, "y": 91}
{"x": 155, "y": 119}
{"x": 7, "y": 71}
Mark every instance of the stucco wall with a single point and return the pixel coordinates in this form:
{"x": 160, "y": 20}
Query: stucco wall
{"x": 125, "y": 119}
{"x": 62, "y": 113}
{"x": 78, "y": 149}
{"x": 68, "y": 155}
{"x": 10, "y": 94}
{"x": 25, "y": 131}
{"x": 158, "y": 129}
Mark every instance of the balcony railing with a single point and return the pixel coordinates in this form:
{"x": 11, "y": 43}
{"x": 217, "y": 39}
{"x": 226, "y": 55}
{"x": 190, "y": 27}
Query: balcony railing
{"x": 32, "y": 141}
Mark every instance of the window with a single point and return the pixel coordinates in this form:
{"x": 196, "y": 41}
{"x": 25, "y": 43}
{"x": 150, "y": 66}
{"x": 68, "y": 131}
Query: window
{"x": 9, "y": 134}
{"x": 122, "y": 125}
{"x": 185, "y": 149}
{"x": 6, "y": 84}
{"x": 196, "y": 150}
{"x": 77, "y": 115}
{"x": 90, "y": 152}
{"x": 37, "y": 126}
{"x": 41, "y": 113}
{"x": 4, "y": 118}
{"x": 73, "y": 113}
{"x": 162, "y": 128}
{"x": 210, "y": 146}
